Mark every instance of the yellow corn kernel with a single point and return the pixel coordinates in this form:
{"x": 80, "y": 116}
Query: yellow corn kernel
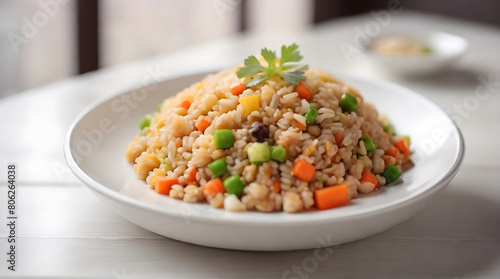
{"x": 153, "y": 147}
{"x": 249, "y": 104}
{"x": 160, "y": 121}
{"x": 151, "y": 133}
{"x": 328, "y": 147}
{"x": 160, "y": 124}
{"x": 407, "y": 139}
{"x": 309, "y": 150}
{"x": 152, "y": 177}
{"x": 327, "y": 78}
{"x": 384, "y": 120}
{"x": 152, "y": 157}
{"x": 200, "y": 85}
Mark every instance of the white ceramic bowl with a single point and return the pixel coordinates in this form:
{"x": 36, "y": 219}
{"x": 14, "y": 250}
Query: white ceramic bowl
{"x": 96, "y": 142}
{"x": 445, "y": 49}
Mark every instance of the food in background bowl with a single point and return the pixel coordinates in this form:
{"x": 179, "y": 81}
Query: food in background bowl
{"x": 269, "y": 135}
{"x": 400, "y": 46}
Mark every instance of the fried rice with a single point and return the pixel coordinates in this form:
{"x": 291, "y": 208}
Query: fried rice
{"x": 173, "y": 145}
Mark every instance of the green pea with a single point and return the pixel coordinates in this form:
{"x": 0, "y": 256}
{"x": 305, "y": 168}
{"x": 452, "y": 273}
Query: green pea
{"x": 391, "y": 174}
{"x": 233, "y": 185}
{"x": 145, "y": 122}
{"x": 311, "y": 115}
{"x": 223, "y": 138}
{"x": 218, "y": 167}
{"x": 348, "y": 102}
{"x": 369, "y": 145}
{"x": 278, "y": 153}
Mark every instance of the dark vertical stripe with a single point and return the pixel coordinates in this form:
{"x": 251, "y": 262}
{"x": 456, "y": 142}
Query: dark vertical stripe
{"x": 330, "y": 9}
{"x": 243, "y": 16}
{"x": 325, "y": 10}
{"x": 88, "y": 35}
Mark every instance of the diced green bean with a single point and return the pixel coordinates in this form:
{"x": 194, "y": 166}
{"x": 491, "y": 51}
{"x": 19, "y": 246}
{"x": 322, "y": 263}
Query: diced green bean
{"x": 233, "y": 185}
{"x": 166, "y": 165}
{"x": 388, "y": 129}
{"x": 311, "y": 115}
{"x": 369, "y": 145}
{"x": 223, "y": 138}
{"x": 278, "y": 153}
{"x": 145, "y": 122}
{"x": 162, "y": 160}
{"x": 145, "y": 131}
{"x": 348, "y": 102}
{"x": 258, "y": 153}
{"x": 218, "y": 167}
{"x": 391, "y": 174}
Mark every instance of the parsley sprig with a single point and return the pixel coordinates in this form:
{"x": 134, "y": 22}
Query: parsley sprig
{"x": 288, "y": 67}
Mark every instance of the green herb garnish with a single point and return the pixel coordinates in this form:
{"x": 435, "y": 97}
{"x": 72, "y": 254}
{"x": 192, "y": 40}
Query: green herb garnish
{"x": 288, "y": 67}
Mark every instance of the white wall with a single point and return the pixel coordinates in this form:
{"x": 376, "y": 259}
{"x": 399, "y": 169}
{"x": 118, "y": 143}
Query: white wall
{"x": 138, "y": 29}
{"x": 279, "y": 15}
{"x": 37, "y": 43}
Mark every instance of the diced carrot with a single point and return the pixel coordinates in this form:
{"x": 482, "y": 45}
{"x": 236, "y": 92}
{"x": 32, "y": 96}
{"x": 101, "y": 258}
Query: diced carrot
{"x": 402, "y": 146}
{"x": 163, "y": 184}
{"x": 185, "y": 104}
{"x": 339, "y": 137}
{"x": 304, "y": 92}
{"x": 202, "y": 123}
{"x": 301, "y": 126}
{"x": 277, "y": 186}
{"x": 192, "y": 175}
{"x": 238, "y": 89}
{"x": 303, "y": 170}
{"x": 330, "y": 197}
{"x": 393, "y": 151}
{"x": 212, "y": 188}
{"x": 368, "y": 176}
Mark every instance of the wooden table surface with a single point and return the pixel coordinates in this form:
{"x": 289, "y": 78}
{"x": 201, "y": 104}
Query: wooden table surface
{"x": 63, "y": 231}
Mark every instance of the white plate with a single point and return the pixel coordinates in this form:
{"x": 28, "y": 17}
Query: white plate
{"x": 445, "y": 49}
{"x": 96, "y": 143}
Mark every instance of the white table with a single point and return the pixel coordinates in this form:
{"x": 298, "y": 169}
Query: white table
{"x": 64, "y": 231}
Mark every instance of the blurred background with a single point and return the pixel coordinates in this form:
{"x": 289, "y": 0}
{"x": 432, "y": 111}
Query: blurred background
{"x": 47, "y": 40}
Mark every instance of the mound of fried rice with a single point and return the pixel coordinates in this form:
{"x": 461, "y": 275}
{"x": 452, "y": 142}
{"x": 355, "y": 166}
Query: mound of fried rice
{"x": 332, "y": 144}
